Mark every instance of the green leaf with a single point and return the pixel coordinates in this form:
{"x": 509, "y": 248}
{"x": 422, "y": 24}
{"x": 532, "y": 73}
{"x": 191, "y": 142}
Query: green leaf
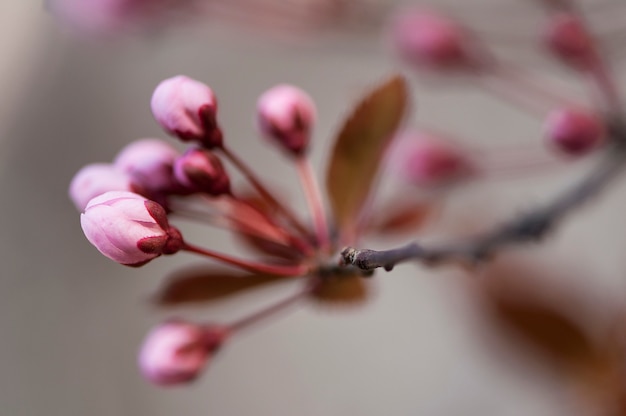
{"x": 360, "y": 147}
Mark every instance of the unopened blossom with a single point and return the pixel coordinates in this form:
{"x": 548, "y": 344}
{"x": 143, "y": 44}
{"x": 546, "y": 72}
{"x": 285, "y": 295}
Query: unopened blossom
{"x": 95, "y": 179}
{"x": 431, "y": 39}
{"x": 187, "y": 108}
{"x": 427, "y": 160}
{"x": 128, "y": 228}
{"x": 150, "y": 163}
{"x": 176, "y": 352}
{"x": 286, "y": 115}
{"x": 202, "y": 171}
{"x": 573, "y": 131}
{"x": 569, "y": 40}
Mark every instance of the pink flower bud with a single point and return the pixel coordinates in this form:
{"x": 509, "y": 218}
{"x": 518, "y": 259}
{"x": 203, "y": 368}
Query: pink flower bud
{"x": 176, "y": 352}
{"x": 569, "y": 40}
{"x": 111, "y": 17}
{"x": 129, "y": 228}
{"x": 428, "y": 38}
{"x": 94, "y": 16}
{"x": 201, "y": 171}
{"x": 286, "y": 114}
{"x": 187, "y": 108}
{"x": 427, "y": 160}
{"x": 96, "y": 179}
{"x": 150, "y": 163}
{"x": 574, "y": 132}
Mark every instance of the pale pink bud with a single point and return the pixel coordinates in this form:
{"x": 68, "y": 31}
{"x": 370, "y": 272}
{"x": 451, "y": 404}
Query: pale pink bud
{"x": 574, "y": 132}
{"x": 150, "y": 163}
{"x": 286, "y": 114}
{"x": 128, "y": 228}
{"x": 430, "y": 39}
{"x": 95, "y": 16}
{"x": 187, "y": 109}
{"x": 202, "y": 171}
{"x": 177, "y": 352}
{"x": 569, "y": 40}
{"x": 427, "y": 160}
{"x": 96, "y": 179}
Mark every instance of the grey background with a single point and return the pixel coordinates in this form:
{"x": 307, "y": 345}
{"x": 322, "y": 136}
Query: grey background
{"x": 71, "y": 320}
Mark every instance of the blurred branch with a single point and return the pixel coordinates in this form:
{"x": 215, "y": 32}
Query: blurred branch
{"x": 531, "y": 227}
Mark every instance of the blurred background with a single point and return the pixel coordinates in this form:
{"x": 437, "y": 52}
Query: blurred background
{"x": 423, "y": 341}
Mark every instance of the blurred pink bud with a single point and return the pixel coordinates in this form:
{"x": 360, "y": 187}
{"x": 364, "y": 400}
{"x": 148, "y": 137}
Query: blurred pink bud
{"x": 202, "y": 171}
{"x": 574, "y": 132}
{"x": 569, "y": 40}
{"x": 187, "y": 109}
{"x": 150, "y": 163}
{"x": 286, "y": 114}
{"x": 96, "y": 179}
{"x": 428, "y": 38}
{"x": 128, "y": 228}
{"x": 176, "y": 352}
{"x": 426, "y": 160}
{"x": 103, "y": 17}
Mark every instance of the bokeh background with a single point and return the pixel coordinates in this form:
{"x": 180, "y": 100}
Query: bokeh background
{"x": 71, "y": 320}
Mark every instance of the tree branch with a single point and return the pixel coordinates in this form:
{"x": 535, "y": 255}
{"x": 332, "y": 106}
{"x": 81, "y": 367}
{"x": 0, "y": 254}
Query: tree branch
{"x": 531, "y": 227}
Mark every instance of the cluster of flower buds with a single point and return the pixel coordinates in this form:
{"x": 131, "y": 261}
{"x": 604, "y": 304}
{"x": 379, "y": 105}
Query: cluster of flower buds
{"x": 126, "y": 206}
{"x": 431, "y": 41}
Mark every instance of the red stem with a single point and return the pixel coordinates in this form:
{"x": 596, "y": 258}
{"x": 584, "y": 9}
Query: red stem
{"x": 272, "y": 309}
{"x": 263, "y": 191}
{"x": 277, "y": 270}
{"x": 314, "y": 200}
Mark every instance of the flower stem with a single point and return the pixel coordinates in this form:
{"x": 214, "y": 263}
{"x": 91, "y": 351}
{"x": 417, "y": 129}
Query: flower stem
{"x": 277, "y": 270}
{"x": 314, "y": 200}
{"x": 263, "y": 191}
{"x": 522, "y": 90}
{"x": 274, "y": 308}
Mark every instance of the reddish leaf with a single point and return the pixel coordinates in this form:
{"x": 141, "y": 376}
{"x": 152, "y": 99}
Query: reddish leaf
{"x": 402, "y": 219}
{"x": 200, "y": 285}
{"x": 342, "y": 290}
{"x": 359, "y": 149}
{"x": 251, "y": 221}
{"x": 520, "y": 298}
{"x": 270, "y": 248}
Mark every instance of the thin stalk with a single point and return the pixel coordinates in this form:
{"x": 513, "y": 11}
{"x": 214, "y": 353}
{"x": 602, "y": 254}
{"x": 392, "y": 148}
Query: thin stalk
{"x": 263, "y": 191}
{"x": 314, "y": 200}
{"x": 302, "y": 245}
{"x": 272, "y": 309}
{"x": 277, "y": 270}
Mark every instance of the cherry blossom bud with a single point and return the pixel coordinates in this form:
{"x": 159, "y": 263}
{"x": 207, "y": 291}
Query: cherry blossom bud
{"x": 128, "y": 228}
{"x": 427, "y": 160}
{"x": 569, "y": 40}
{"x": 430, "y": 39}
{"x": 177, "y": 352}
{"x": 202, "y": 171}
{"x": 96, "y": 179}
{"x": 150, "y": 163}
{"x": 574, "y": 132}
{"x": 187, "y": 109}
{"x": 286, "y": 114}
{"x": 112, "y": 17}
